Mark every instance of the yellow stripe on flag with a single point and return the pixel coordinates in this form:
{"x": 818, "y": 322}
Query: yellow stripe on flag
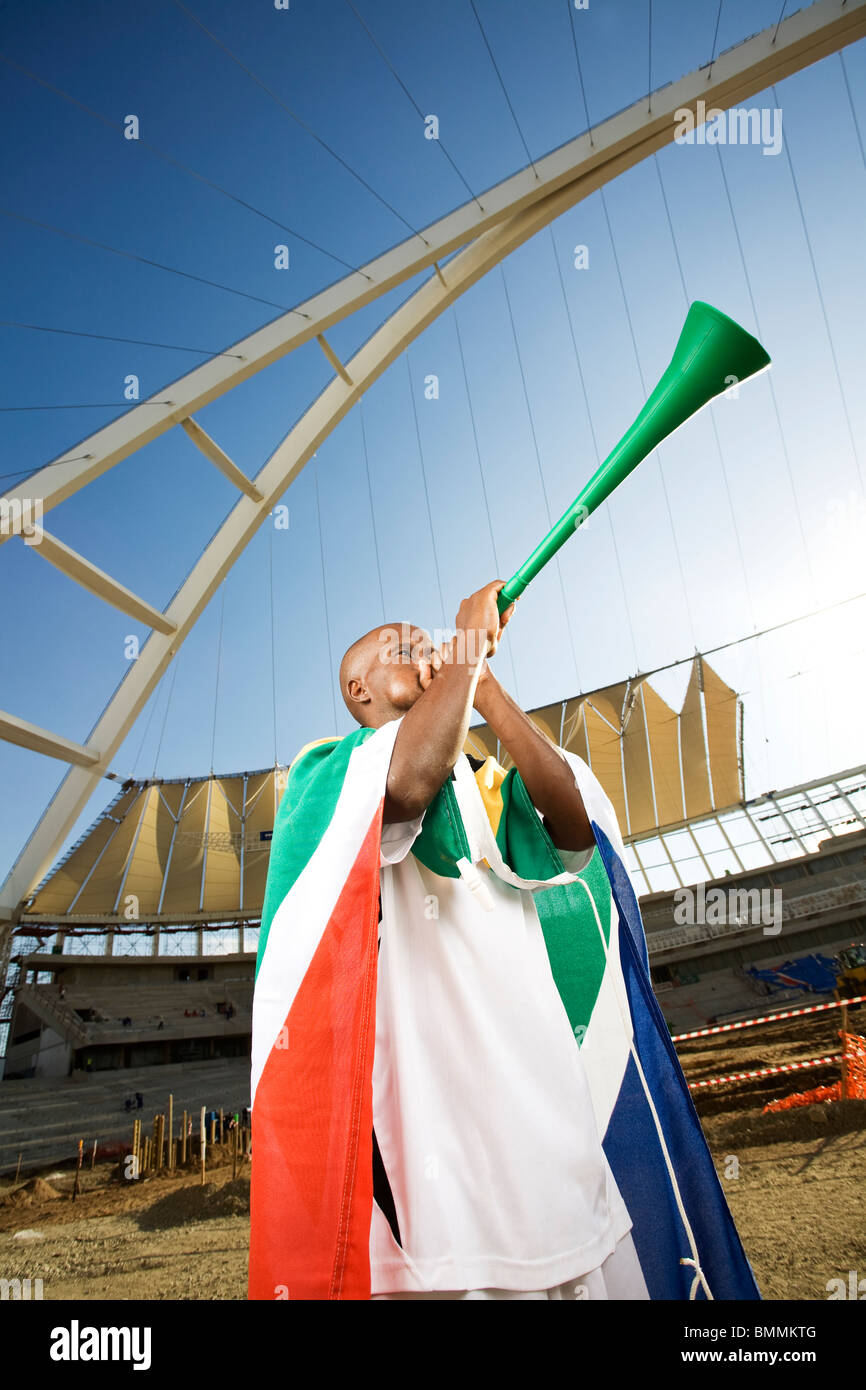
{"x": 489, "y": 778}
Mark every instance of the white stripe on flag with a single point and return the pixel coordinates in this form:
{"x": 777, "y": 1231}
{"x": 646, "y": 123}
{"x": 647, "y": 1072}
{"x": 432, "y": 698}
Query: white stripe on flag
{"x": 605, "y": 1048}
{"x": 302, "y": 917}
{"x": 607, "y": 1044}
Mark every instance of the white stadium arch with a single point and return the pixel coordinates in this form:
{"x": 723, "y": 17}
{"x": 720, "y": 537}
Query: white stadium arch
{"x": 477, "y": 236}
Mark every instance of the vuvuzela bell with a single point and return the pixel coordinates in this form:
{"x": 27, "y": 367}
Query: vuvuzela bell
{"x": 713, "y": 353}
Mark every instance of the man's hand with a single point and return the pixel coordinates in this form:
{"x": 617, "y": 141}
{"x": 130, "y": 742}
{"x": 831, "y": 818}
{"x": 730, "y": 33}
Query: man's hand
{"x": 479, "y": 628}
{"x": 428, "y": 669}
{"x": 434, "y": 730}
{"x": 479, "y": 623}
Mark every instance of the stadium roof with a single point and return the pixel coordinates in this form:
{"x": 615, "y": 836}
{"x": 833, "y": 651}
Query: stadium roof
{"x": 196, "y": 849}
{"x": 658, "y": 767}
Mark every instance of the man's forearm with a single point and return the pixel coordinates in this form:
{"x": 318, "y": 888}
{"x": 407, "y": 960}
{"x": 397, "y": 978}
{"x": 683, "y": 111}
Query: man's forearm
{"x": 545, "y": 772}
{"x": 430, "y": 740}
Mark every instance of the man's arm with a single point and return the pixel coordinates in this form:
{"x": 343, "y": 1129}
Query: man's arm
{"x": 433, "y": 731}
{"x": 545, "y": 772}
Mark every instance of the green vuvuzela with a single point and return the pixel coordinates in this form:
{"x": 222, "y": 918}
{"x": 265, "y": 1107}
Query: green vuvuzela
{"x": 713, "y": 353}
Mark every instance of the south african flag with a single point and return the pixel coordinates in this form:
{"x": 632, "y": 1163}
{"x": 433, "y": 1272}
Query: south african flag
{"x": 314, "y": 1028}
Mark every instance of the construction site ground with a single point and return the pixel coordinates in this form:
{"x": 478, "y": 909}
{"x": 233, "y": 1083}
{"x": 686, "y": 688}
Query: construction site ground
{"x": 795, "y": 1182}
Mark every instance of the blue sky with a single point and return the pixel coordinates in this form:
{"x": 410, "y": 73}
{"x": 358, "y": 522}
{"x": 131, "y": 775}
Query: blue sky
{"x": 705, "y": 543}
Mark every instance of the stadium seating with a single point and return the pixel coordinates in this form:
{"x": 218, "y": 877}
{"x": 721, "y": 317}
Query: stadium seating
{"x": 43, "y": 1120}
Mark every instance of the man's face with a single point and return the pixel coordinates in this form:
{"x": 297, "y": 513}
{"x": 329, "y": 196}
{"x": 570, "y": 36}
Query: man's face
{"x": 399, "y": 669}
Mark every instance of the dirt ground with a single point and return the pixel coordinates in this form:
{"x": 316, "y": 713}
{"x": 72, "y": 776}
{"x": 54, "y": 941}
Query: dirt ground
{"x": 795, "y": 1182}
{"x": 162, "y": 1237}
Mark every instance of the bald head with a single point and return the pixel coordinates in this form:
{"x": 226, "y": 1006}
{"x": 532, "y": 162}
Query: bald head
{"x": 356, "y": 664}
{"x": 380, "y": 672}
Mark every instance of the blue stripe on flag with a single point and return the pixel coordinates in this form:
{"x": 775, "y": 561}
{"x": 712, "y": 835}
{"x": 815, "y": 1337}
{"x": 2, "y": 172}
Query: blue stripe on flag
{"x": 632, "y": 1146}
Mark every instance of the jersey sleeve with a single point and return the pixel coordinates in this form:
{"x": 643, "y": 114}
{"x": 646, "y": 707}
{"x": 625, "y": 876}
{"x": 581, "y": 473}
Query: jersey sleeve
{"x": 574, "y": 861}
{"x": 398, "y": 839}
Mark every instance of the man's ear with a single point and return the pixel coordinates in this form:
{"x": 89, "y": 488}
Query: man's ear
{"x": 357, "y": 691}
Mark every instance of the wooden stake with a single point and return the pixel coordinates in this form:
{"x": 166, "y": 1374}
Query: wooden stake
{"x": 213, "y": 1129}
{"x": 221, "y": 1131}
{"x": 18, "y": 1169}
{"x": 160, "y": 1142}
{"x": 136, "y": 1145}
{"x": 203, "y": 1142}
{"x": 844, "y": 1020}
{"x": 234, "y": 1151}
{"x": 183, "y": 1140}
{"x": 171, "y": 1131}
{"x": 76, "y": 1186}
{"x": 93, "y": 1157}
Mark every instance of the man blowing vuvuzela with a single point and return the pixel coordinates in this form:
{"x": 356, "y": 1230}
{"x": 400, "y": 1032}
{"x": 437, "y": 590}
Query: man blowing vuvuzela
{"x": 463, "y": 1087}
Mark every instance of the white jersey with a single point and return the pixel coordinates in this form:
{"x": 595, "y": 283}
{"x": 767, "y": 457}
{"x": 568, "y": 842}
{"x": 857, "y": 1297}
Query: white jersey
{"x": 481, "y": 1106}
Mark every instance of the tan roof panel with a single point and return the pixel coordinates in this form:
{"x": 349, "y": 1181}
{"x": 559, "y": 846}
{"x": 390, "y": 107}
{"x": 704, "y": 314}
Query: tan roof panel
{"x": 199, "y": 848}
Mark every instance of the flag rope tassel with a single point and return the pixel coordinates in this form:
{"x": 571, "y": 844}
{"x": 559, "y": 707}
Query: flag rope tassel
{"x": 695, "y": 1260}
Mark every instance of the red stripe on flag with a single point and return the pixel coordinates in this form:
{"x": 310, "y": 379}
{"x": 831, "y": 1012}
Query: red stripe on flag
{"x": 311, "y": 1193}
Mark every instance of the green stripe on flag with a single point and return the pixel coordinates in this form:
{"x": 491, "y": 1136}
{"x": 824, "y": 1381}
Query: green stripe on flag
{"x": 442, "y": 838}
{"x": 313, "y": 789}
{"x": 568, "y": 923}
{"x": 572, "y": 939}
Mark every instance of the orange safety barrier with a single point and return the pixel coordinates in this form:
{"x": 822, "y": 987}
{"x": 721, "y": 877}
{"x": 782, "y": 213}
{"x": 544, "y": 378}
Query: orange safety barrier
{"x": 854, "y": 1063}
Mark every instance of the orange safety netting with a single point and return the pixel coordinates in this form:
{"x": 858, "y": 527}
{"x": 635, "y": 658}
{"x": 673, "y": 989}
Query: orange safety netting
{"x": 854, "y": 1053}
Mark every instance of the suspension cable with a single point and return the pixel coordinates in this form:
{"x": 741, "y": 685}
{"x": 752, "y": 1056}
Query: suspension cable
{"x": 217, "y": 682}
{"x": 297, "y": 119}
{"x": 325, "y": 591}
{"x": 113, "y": 338}
{"x": 656, "y": 453}
{"x": 398, "y": 79}
{"x": 372, "y": 508}
{"x": 273, "y": 634}
{"x": 719, "y": 452}
{"x": 776, "y": 410}
{"x": 178, "y": 164}
{"x": 145, "y": 260}
{"x": 842, "y": 393}
{"x": 715, "y": 40}
{"x": 504, "y": 88}
{"x": 579, "y": 71}
{"x": 649, "y": 49}
{"x": 153, "y": 704}
{"x": 595, "y": 448}
{"x": 482, "y": 480}
{"x": 532, "y": 432}
{"x": 426, "y": 491}
{"x": 165, "y": 715}
{"x": 853, "y": 108}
